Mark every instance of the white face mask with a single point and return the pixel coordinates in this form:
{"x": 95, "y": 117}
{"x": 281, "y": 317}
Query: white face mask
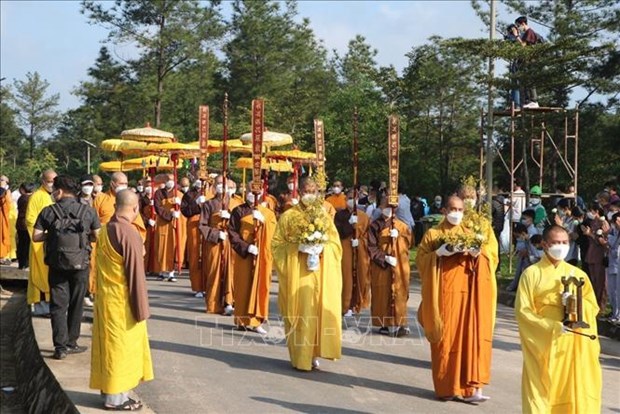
{"x": 558, "y": 251}
{"x": 350, "y": 203}
{"x": 455, "y": 217}
{"x": 169, "y": 184}
{"x": 231, "y": 191}
{"x": 387, "y": 212}
{"x": 98, "y": 188}
{"x": 140, "y": 188}
{"x": 469, "y": 203}
{"x": 308, "y": 199}
{"x": 5, "y": 186}
{"x": 610, "y": 215}
{"x": 120, "y": 188}
{"x": 337, "y": 190}
{"x": 534, "y": 201}
{"x": 197, "y": 184}
{"x": 87, "y": 189}
{"x": 219, "y": 188}
{"x": 291, "y": 186}
{"x": 184, "y": 189}
{"x": 148, "y": 190}
{"x": 48, "y": 187}
{"x": 251, "y": 198}
{"x": 591, "y": 216}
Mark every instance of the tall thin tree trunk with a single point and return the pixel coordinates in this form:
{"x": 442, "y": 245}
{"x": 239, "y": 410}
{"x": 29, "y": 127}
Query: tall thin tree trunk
{"x": 31, "y": 139}
{"x": 160, "y": 73}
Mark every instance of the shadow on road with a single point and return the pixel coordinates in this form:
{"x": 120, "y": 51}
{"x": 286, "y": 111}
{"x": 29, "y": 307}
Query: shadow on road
{"x": 308, "y": 408}
{"x": 277, "y": 366}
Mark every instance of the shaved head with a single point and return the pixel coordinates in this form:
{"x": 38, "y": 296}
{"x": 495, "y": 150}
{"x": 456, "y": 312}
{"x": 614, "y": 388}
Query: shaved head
{"x": 126, "y": 198}
{"x": 119, "y": 178}
{"x": 308, "y": 185}
{"x": 454, "y": 203}
{"x": 48, "y": 176}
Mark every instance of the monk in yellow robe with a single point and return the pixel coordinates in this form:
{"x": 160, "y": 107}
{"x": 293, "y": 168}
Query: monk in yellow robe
{"x": 389, "y": 241}
{"x": 121, "y": 356}
{"x": 38, "y": 282}
{"x": 190, "y": 207}
{"x": 251, "y": 231}
{"x": 217, "y": 258}
{"x": 310, "y": 282}
{"x": 353, "y": 232}
{"x": 170, "y": 229}
{"x": 104, "y": 206}
{"x": 561, "y": 369}
{"x": 337, "y": 199}
{"x": 5, "y": 227}
{"x": 457, "y": 310}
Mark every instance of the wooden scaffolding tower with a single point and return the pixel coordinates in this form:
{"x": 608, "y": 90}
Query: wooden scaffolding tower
{"x": 538, "y": 146}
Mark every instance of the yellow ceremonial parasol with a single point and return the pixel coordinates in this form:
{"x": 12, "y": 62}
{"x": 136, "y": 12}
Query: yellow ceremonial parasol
{"x": 138, "y": 164}
{"x": 273, "y": 165}
{"x": 270, "y": 139}
{"x": 147, "y": 134}
{"x": 294, "y": 155}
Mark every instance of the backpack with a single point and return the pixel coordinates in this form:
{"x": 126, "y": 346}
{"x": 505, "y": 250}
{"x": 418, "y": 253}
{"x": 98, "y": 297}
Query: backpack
{"x": 67, "y": 247}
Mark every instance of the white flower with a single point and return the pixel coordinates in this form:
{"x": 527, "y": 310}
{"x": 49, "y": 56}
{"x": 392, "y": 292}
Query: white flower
{"x": 311, "y": 237}
{"x": 480, "y": 237}
{"x": 318, "y": 235}
{"x": 325, "y": 237}
{"x": 554, "y": 211}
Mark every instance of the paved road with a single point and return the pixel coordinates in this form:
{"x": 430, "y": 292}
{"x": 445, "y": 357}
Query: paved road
{"x": 203, "y": 365}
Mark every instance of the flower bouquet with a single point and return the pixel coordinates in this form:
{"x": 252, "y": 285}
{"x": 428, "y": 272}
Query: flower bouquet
{"x": 310, "y": 232}
{"x": 472, "y": 238}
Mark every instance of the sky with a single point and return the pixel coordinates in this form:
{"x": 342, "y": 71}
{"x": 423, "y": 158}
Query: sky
{"x": 56, "y": 40}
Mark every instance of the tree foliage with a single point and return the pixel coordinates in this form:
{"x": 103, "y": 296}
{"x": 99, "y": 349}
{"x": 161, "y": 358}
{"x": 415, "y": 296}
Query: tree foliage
{"x": 188, "y": 55}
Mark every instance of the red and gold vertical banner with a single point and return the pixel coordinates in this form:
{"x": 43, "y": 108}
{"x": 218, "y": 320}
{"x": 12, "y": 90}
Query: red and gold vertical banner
{"x": 203, "y": 136}
{"x": 393, "y": 150}
{"x": 319, "y": 143}
{"x": 258, "y": 126}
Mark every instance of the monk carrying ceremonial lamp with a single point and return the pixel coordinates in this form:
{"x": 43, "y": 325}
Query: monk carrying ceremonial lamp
{"x": 556, "y": 311}
{"x": 457, "y": 262}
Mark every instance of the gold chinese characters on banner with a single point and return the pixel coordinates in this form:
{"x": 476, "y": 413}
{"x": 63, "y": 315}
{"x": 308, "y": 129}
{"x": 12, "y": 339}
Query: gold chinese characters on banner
{"x": 258, "y": 126}
{"x": 203, "y": 136}
{"x": 393, "y": 149}
{"x": 319, "y": 142}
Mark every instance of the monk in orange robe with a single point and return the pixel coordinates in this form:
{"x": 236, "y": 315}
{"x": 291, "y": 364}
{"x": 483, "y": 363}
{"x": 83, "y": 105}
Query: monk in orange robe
{"x": 191, "y": 204}
{"x": 337, "y": 199}
{"x": 217, "y": 258}
{"x": 457, "y": 310}
{"x": 353, "y": 232}
{"x": 5, "y": 210}
{"x": 169, "y": 230}
{"x": 290, "y": 198}
{"x": 148, "y": 215}
{"x": 389, "y": 241}
{"x": 251, "y": 230}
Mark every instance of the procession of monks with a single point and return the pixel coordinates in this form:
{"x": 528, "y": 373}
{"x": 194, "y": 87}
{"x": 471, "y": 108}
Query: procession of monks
{"x": 232, "y": 245}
